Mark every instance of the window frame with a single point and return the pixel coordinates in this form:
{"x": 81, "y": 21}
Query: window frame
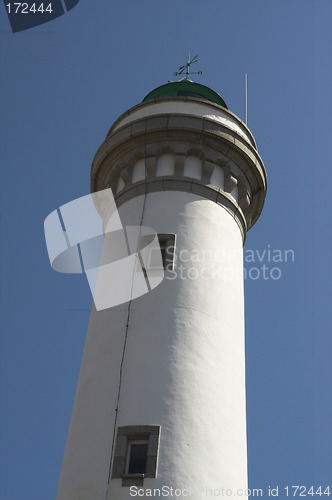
{"x": 126, "y": 435}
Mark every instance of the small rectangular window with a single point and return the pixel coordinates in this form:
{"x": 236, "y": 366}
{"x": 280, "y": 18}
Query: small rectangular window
{"x": 160, "y": 256}
{"x": 136, "y": 454}
{"x": 137, "y": 457}
{"x": 167, "y": 248}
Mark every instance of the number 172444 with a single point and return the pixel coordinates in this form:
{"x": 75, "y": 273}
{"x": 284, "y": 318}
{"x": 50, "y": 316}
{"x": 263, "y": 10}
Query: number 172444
{"x": 25, "y": 8}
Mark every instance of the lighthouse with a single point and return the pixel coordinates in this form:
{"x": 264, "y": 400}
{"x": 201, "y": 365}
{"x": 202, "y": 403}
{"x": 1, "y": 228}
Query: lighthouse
{"x": 160, "y": 407}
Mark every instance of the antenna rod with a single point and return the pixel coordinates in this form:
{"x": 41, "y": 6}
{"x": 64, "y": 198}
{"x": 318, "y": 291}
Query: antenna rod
{"x": 246, "y": 98}
{"x": 188, "y": 66}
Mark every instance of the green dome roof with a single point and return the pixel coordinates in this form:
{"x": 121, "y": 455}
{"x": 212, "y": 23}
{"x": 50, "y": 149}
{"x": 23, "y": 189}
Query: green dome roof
{"x": 186, "y": 88}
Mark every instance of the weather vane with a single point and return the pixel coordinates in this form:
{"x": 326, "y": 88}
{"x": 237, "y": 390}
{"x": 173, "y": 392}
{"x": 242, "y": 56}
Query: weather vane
{"x": 186, "y": 68}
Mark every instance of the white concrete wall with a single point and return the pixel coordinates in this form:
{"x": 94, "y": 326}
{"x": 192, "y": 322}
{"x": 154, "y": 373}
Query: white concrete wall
{"x": 138, "y": 171}
{"x": 192, "y": 167}
{"x": 184, "y": 364}
{"x": 217, "y": 177}
{"x": 165, "y": 165}
{"x": 202, "y": 110}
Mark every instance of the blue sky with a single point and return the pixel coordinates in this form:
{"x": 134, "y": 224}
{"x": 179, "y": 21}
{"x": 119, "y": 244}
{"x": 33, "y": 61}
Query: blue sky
{"x": 62, "y": 86}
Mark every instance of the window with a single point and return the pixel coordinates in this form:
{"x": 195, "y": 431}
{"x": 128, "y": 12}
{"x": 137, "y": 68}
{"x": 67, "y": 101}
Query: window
{"x": 151, "y": 260}
{"x": 167, "y": 247}
{"x": 136, "y": 454}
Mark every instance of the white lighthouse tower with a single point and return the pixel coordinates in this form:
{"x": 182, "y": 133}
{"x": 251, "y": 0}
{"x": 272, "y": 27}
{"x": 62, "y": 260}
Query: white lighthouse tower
{"x": 160, "y": 404}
